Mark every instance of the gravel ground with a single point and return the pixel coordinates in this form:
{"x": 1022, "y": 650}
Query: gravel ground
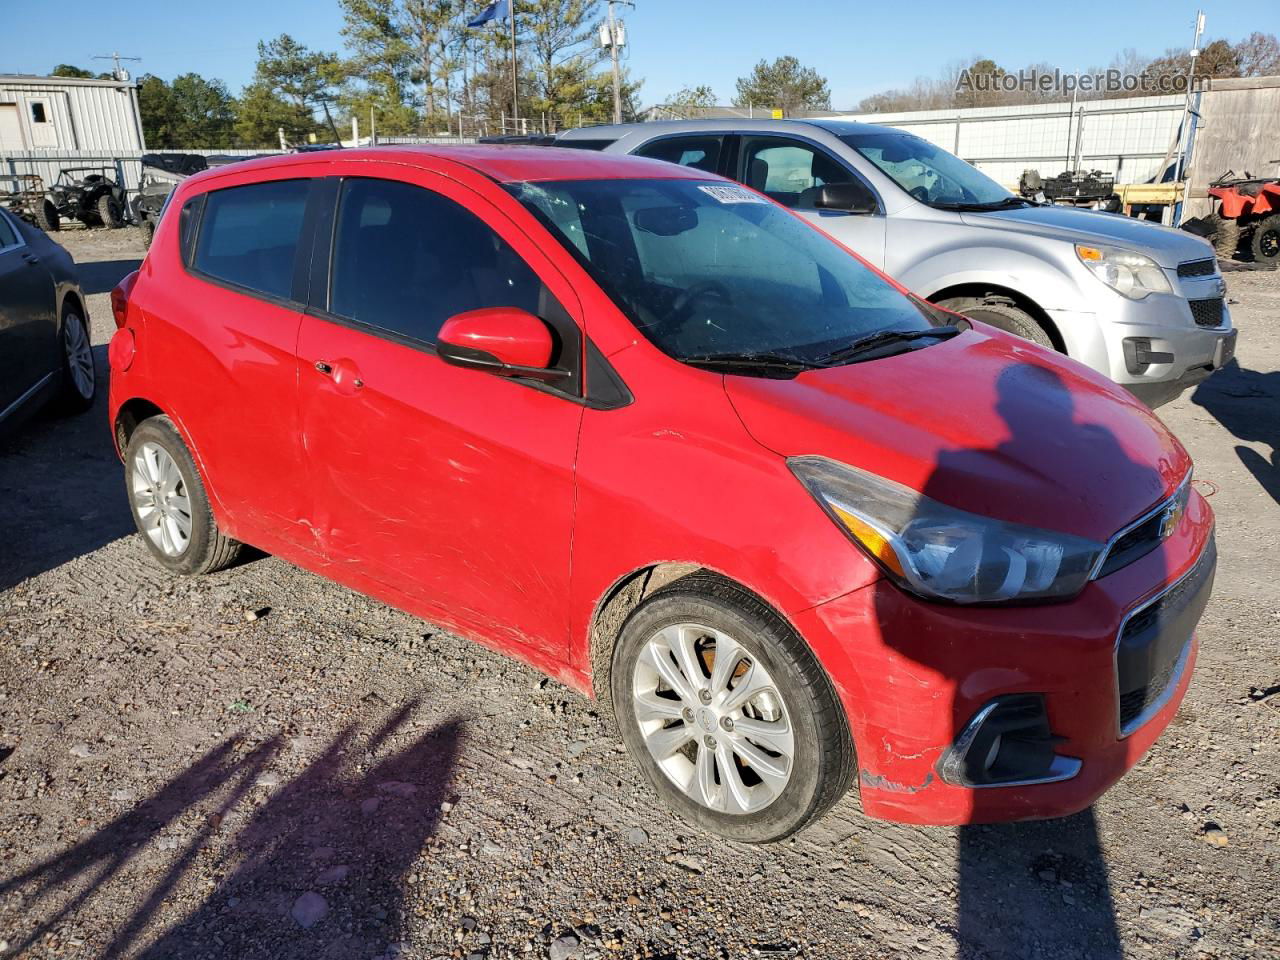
{"x": 263, "y": 764}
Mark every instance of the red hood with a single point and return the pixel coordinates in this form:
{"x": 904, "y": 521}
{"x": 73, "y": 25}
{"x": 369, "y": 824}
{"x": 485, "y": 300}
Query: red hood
{"x": 983, "y": 422}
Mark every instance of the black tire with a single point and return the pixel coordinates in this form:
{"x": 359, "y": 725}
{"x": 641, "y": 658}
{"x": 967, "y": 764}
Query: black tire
{"x": 47, "y": 218}
{"x": 148, "y": 232}
{"x": 823, "y": 762}
{"x": 1264, "y": 244}
{"x": 207, "y": 550}
{"x": 79, "y": 375}
{"x": 1224, "y": 234}
{"x": 109, "y": 212}
{"x": 1002, "y": 316}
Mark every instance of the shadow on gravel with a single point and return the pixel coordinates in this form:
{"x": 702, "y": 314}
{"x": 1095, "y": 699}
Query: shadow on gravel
{"x": 1247, "y": 402}
{"x": 101, "y": 276}
{"x": 62, "y": 488}
{"x": 317, "y": 868}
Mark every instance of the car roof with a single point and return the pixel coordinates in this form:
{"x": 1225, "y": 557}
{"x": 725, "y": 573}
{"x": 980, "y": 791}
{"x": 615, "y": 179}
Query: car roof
{"x": 503, "y": 163}
{"x": 655, "y": 128}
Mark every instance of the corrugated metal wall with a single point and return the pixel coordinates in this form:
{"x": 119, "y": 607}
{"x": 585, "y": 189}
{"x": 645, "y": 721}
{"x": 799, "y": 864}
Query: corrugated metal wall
{"x": 83, "y": 116}
{"x": 1126, "y": 137}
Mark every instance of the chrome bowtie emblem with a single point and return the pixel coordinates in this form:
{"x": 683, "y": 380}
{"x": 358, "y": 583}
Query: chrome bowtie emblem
{"x": 1169, "y": 520}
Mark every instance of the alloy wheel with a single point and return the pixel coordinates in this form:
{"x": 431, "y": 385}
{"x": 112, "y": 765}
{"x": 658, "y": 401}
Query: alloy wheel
{"x": 79, "y": 354}
{"x": 160, "y": 499}
{"x": 712, "y": 718}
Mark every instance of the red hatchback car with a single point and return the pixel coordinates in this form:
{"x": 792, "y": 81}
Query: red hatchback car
{"x": 653, "y": 434}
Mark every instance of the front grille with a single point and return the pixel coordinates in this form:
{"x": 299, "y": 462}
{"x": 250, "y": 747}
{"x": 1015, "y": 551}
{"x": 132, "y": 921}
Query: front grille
{"x": 1152, "y": 645}
{"x": 1145, "y": 534}
{"x": 1198, "y": 268}
{"x": 1207, "y": 313}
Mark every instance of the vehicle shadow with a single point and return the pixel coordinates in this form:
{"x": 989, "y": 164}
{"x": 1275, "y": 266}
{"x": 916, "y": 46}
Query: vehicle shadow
{"x": 1032, "y": 887}
{"x": 318, "y": 868}
{"x": 1247, "y": 403}
{"x": 62, "y": 488}
{"x": 101, "y": 276}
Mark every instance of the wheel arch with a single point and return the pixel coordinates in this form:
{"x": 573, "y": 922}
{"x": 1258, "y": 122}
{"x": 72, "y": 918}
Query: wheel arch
{"x": 627, "y": 593}
{"x": 133, "y": 412}
{"x": 999, "y": 294}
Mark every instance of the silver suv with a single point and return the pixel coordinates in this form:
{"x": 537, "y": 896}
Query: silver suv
{"x": 1139, "y": 303}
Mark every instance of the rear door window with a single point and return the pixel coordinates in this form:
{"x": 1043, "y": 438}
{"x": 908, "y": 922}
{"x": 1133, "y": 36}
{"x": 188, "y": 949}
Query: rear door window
{"x": 406, "y": 259}
{"x": 701, "y": 153}
{"x": 249, "y": 235}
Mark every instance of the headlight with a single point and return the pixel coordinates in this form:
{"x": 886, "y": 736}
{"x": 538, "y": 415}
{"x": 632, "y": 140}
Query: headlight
{"x": 942, "y": 553}
{"x": 1129, "y": 274}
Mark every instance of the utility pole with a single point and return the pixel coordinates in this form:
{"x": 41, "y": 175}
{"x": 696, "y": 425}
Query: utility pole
{"x": 515, "y": 86}
{"x": 1184, "y": 133}
{"x": 613, "y": 55}
{"x": 119, "y": 72}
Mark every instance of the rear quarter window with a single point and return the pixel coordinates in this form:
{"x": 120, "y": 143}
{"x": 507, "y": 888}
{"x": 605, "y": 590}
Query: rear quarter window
{"x": 249, "y": 235}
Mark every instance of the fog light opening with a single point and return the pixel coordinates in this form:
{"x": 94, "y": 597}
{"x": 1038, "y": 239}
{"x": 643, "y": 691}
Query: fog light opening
{"x": 1008, "y": 742}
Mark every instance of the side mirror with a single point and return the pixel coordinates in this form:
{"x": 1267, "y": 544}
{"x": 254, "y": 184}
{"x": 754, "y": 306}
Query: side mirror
{"x": 846, "y": 197}
{"x": 503, "y": 340}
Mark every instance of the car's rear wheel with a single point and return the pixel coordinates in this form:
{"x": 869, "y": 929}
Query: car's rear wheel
{"x": 1265, "y": 243}
{"x": 169, "y": 502}
{"x": 79, "y": 378}
{"x": 47, "y": 218}
{"x": 727, "y": 712}
{"x": 1002, "y": 316}
{"x": 110, "y": 212}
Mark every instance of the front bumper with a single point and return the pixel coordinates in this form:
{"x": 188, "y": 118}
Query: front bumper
{"x": 1113, "y": 336}
{"x": 912, "y": 675}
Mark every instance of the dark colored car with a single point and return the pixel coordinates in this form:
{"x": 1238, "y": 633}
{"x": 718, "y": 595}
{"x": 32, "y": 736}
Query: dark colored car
{"x": 44, "y": 326}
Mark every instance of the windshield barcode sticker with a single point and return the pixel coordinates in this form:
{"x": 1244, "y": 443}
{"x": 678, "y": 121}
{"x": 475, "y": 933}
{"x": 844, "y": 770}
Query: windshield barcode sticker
{"x": 731, "y": 194}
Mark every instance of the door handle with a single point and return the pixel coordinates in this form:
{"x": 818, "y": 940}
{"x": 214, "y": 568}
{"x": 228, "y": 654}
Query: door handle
{"x": 31, "y": 261}
{"x": 323, "y": 367}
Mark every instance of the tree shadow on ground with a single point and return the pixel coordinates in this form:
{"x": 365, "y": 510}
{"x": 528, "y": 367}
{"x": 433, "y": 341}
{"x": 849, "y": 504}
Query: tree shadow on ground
{"x": 1247, "y": 402}
{"x": 317, "y": 868}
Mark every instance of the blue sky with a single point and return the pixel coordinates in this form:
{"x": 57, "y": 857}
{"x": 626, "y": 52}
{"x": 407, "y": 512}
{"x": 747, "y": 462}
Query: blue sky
{"x": 862, "y": 48}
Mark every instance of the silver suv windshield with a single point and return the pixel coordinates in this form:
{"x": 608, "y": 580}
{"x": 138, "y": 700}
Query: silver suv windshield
{"x": 711, "y": 271}
{"x": 929, "y": 173}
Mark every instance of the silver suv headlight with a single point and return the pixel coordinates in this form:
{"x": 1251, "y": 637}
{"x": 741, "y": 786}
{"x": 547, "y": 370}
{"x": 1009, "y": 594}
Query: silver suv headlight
{"x": 942, "y": 553}
{"x": 1132, "y": 275}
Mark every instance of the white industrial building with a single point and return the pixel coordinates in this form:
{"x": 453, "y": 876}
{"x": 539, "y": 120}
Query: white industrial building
{"x": 59, "y": 113}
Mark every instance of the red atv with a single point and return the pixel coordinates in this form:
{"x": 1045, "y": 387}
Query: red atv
{"x": 1248, "y": 213}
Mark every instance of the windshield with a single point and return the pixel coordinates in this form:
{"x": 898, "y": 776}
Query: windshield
{"x": 713, "y": 269}
{"x": 927, "y": 172}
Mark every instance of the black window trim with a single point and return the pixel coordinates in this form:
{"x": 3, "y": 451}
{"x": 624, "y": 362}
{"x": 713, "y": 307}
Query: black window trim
{"x": 809, "y": 142}
{"x": 610, "y": 394}
{"x": 301, "y": 264}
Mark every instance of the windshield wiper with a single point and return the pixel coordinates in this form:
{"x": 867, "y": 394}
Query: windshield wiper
{"x": 994, "y": 205}
{"x": 776, "y": 363}
{"x": 873, "y": 343}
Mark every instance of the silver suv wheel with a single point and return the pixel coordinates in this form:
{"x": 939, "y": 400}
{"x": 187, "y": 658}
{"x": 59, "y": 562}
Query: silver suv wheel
{"x": 160, "y": 499}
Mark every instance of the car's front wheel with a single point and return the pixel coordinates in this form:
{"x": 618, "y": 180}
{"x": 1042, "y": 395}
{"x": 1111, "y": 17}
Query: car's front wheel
{"x": 728, "y": 713}
{"x": 169, "y": 502}
{"x": 1002, "y": 316}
